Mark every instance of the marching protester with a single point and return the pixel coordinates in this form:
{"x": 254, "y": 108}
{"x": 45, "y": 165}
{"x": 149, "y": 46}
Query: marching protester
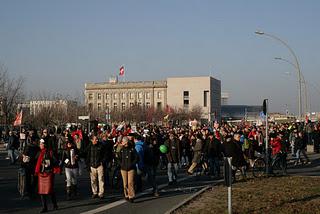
{"x": 29, "y": 163}
{"x": 214, "y": 155}
{"x": 13, "y": 145}
{"x": 70, "y": 158}
{"x": 95, "y": 158}
{"x": 44, "y": 170}
{"x": 173, "y": 157}
{"x": 151, "y": 162}
{"x": 139, "y": 145}
{"x": 197, "y": 150}
{"x": 301, "y": 146}
{"x": 128, "y": 159}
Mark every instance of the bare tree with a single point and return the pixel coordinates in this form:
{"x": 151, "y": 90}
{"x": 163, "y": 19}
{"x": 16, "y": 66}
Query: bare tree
{"x": 195, "y": 112}
{"x": 53, "y": 110}
{"x": 11, "y": 94}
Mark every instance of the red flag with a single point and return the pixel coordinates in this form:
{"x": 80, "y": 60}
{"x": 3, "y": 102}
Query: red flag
{"x": 121, "y": 71}
{"x": 18, "y": 120}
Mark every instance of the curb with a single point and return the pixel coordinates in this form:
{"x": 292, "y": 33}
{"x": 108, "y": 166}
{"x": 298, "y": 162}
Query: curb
{"x": 187, "y": 200}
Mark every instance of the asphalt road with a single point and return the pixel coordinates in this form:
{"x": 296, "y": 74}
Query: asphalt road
{"x": 145, "y": 203}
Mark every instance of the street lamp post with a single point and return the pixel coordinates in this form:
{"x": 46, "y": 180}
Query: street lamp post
{"x": 296, "y": 63}
{"x": 303, "y": 80}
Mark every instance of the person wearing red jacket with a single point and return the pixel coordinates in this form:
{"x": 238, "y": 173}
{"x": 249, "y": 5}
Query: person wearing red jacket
{"x": 278, "y": 151}
{"x": 275, "y": 145}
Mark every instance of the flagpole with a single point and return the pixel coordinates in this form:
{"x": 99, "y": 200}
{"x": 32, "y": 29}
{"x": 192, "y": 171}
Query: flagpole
{"x": 124, "y": 74}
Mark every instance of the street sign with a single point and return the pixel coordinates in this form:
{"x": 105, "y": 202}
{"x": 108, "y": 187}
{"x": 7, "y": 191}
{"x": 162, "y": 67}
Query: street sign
{"x": 83, "y": 117}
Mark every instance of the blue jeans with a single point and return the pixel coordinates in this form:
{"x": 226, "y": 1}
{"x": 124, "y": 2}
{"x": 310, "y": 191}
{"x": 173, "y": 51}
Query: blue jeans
{"x": 13, "y": 154}
{"x": 172, "y": 171}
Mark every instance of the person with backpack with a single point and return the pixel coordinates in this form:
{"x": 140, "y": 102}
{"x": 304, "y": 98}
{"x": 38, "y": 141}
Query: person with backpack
{"x": 139, "y": 147}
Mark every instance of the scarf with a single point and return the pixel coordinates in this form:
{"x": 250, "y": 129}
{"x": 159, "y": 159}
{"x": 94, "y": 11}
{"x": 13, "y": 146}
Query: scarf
{"x": 39, "y": 161}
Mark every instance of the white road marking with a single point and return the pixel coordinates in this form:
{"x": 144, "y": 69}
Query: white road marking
{"x": 122, "y": 201}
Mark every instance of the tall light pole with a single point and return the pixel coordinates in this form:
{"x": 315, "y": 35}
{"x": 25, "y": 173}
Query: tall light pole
{"x": 296, "y": 63}
{"x": 303, "y": 80}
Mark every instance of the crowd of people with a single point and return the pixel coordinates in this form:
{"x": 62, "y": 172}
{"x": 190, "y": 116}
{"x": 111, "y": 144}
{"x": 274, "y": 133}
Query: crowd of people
{"x": 47, "y": 152}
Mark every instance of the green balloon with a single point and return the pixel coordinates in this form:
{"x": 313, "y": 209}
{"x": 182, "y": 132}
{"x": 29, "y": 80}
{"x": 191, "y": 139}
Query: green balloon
{"x": 163, "y": 149}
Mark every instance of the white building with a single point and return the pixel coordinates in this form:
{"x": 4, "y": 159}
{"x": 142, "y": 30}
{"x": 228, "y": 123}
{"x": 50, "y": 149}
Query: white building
{"x": 35, "y": 106}
{"x": 176, "y": 92}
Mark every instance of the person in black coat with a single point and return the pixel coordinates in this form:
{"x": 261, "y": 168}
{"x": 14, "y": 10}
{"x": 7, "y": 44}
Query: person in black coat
{"x": 232, "y": 148}
{"x": 128, "y": 158}
{"x": 151, "y": 162}
{"x": 95, "y": 158}
{"x": 29, "y": 163}
{"x": 214, "y": 154}
{"x": 13, "y": 145}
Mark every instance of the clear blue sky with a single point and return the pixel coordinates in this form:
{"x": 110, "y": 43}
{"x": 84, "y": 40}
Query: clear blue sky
{"x": 59, "y": 45}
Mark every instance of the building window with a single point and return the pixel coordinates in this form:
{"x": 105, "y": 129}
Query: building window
{"x": 107, "y": 96}
{"x": 115, "y": 106}
{"x": 131, "y": 95}
{"x": 185, "y": 94}
{"x": 159, "y": 95}
{"x": 123, "y": 96}
{"x": 90, "y": 97}
{"x": 123, "y": 106}
{"x": 186, "y": 99}
{"x": 131, "y": 104}
{"x": 140, "y": 95}
{"x": 115, "y": 96}
{"x": 159, "y": 105}
{"x": 99, "y": 106}
{"x": 99, "y": 96}
{"x": 148, "y": 104}
{"x": 139, "y": 104}
{"x": 148, "y": 95}
{"x": 205, "y": 98}
{"x": 107, "y": 106}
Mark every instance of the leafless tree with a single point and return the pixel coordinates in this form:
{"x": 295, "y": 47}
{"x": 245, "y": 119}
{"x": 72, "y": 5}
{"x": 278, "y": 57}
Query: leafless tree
{"x": 11, "y": 94}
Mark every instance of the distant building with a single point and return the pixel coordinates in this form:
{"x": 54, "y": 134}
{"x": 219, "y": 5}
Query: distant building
{"x": 187, "y": 92}
{"x": 35, "y": 106}
{"x": 240, "y": 112}
{"x": 224, "y": 98}
{"x": 176, "y": 92}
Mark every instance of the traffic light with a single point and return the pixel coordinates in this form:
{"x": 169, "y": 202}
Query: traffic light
{"x": 264, "y": 106}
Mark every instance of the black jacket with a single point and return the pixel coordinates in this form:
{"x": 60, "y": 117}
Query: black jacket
{"x": 13, "y": 142}
{"x": 128, "y": 158}
{"x": 233, "y": 149}
{"x": 95, "y": 155}
{"x": 214, "y": 148}
{"x": 66, "y": 155}
{"x": 31, "y": 151}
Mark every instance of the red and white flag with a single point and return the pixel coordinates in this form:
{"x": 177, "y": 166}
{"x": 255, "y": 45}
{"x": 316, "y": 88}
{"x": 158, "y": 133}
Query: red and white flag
{"x": 121, "y": 71}
{"x": 18, "y": 120}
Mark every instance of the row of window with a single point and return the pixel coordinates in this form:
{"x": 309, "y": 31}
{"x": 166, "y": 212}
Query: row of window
{"x": 123, "y": 95}
{"x": 123, "y": 105}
